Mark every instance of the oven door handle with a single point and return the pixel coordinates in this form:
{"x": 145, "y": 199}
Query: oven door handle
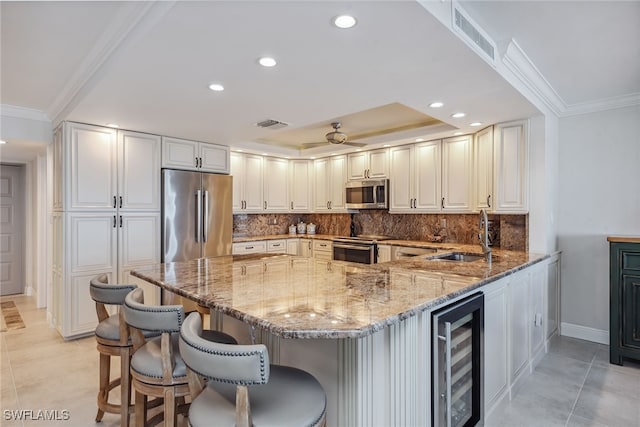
{"x": 355, "y": 247}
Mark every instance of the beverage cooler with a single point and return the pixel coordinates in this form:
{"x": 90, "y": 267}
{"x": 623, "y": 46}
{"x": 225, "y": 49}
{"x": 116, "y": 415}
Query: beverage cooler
{"x": 457, "y": 363}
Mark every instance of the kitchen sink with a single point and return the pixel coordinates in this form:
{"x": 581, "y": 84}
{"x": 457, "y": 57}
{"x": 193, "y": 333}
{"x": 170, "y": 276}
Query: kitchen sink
{"x": 457, "y": 256}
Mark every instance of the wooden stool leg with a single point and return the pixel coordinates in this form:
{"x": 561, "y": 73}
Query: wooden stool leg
{"x": 103, "y": 392}
{"x": 170, "y": 418}
{"x": 125, "y": 386}
{"x": 141, "y": 409}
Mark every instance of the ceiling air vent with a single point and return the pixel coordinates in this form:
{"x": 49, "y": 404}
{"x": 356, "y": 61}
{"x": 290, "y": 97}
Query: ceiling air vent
{"x": 472, "y": 33}
{"x": 271, "y": 124}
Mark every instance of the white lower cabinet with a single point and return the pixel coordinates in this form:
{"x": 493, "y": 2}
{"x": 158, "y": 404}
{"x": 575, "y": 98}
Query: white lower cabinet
{"x": 292, "y": 246}
{"x": 518, "y": 324}
{"x": 323, "y": 250}
{"x": 255, "y": 247}
{"x": 516, "y": 336}
{"x": 496, "y": 368}
{"x": 277, "y": 246}
{"x": 384, "y": 253}
{"x": 97, "y": 243}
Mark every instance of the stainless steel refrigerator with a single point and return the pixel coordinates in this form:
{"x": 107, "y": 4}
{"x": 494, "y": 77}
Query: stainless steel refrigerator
{"x": 197, "y": 219}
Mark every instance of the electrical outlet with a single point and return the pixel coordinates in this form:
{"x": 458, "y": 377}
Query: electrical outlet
{"x": 273, "y": 221}
{"x": 538, "y": 319}
{"x": 443, "y": 223}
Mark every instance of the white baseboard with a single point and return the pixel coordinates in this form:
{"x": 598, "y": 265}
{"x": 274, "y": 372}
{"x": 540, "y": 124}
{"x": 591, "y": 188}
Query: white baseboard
{"x": 584, "y": 333}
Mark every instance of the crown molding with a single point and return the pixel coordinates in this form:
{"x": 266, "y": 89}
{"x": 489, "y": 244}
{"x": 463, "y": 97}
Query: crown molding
{"x": 15, "y": 111}
{"x": 132, "y": 19}
{"x": 517, "y": 61}
{"x": 624, "y": 101}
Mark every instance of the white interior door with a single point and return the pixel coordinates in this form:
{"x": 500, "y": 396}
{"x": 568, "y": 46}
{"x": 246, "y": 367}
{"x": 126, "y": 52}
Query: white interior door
{"x": 11, "y": 230}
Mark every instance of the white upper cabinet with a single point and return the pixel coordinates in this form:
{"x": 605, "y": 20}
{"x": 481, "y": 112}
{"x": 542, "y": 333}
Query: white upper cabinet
{"x": 427, "y": 177}
{"x": 511, "y": 167}
{"x": 247, "y": 183}
{"x": 401, "y": 182}
{"x": 300, "y": 180}
{"x": 415, "y": 178}
{"x": 138, "y": 171}
{"x": 457, "y": 174}
{"x": 106, "y": 169}
{"x": 92, "y": 175}
{"x": 193, "y": 155}
{"x": 276, "y": 184}
{"x": 483, "y": 169}
{"x": 330, "y": 178}
{"x": 368, "y": 164}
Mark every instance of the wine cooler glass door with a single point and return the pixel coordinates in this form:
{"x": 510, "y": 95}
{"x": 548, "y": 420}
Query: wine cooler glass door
{"x": 457, "y": 364}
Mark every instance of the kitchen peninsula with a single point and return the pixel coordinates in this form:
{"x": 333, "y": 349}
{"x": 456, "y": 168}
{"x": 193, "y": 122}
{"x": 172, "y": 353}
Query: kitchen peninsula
{"x": 362, "y": 330}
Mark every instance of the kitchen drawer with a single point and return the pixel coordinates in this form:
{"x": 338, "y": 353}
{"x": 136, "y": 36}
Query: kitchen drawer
{"x": 277, "y": 246}
{"x": 322, "y": 245}
{"x": 257, "y": 247}
{"x": 323, "y": 250}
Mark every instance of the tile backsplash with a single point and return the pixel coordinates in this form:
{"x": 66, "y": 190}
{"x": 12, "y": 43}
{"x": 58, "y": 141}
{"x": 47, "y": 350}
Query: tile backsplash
{"x": 506, "y": 231}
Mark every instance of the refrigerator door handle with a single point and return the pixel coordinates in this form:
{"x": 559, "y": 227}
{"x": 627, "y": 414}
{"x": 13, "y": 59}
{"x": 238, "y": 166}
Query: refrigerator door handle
{"x": 198, "y": 215}
{"x": 205, "y": 216}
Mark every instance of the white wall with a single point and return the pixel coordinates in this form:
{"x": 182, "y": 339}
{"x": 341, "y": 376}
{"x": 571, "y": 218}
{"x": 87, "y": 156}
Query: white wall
{"x": 599, "y": 196}
{"x": 543, "y": 178}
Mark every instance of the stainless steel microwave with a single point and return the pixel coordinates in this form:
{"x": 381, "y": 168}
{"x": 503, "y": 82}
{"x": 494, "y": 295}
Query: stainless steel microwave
{"x": 367, "y": 194}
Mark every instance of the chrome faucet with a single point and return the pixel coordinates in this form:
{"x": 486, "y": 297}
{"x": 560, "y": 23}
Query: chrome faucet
{"x": 483, "y": 235}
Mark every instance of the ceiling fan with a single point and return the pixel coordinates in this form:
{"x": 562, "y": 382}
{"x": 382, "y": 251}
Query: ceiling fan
{"x": 335, "y": 137}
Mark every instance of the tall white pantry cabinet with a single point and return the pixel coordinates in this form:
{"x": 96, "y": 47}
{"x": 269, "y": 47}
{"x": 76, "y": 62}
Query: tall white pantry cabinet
{"x": 105, "y": 214}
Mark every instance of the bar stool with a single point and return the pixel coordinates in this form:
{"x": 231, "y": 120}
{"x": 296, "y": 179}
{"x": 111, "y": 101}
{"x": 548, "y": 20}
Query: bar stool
{"x": 157, "y": 368}
{"x": 112, "y": 336}
{"x": 239, "y": 379}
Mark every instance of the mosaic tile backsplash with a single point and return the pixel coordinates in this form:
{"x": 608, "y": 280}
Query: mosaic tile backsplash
{"x": 506, "y": 231}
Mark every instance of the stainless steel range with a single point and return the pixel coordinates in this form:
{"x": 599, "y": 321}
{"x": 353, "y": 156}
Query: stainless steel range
{"x": 362, "y": 249}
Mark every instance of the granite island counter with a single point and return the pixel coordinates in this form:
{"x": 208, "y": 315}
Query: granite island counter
{"x": 362, "y": 330}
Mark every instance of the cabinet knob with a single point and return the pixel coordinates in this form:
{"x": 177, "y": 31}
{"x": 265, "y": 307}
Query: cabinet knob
{"x": 265, "y": 204}
{"x": 114, "y": 202}
{"x": 489, "y": 201}
{"x": 120, "y": 202}
{"x": 442, "y": 203}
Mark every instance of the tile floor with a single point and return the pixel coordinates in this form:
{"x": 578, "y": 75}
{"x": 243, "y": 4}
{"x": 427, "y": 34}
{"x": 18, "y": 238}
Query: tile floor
{"x": 574, "y": 384}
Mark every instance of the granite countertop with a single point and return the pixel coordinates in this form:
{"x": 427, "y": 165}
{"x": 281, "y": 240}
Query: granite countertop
{"x": 624, "y": 239}
{"x": 299, "y": 297}
{"x": 242, "y": 239}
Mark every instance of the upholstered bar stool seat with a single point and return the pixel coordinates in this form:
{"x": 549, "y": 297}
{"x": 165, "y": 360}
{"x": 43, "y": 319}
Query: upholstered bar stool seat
{"x": 157, "y": 369}
{"x": 243, "y": 389}
{"x": 112, "y": 336}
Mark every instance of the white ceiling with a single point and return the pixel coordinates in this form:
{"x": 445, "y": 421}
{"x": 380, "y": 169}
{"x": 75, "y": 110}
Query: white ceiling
{"x": 147, "y": 65}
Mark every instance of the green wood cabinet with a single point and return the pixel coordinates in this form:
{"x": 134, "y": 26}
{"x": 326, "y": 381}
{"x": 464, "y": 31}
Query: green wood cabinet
{"x": 625, "y": 301}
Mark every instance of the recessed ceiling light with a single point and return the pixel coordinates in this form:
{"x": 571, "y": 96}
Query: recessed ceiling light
{"x": 2, "y": 141}
{"x": 419, "y": 139}
{"x": 239, "y": 151}
{"x": 458, "y": 115}
{"x": 267, "y": 61}
{"x": 113, "y": 125}
{"x": 216, "y": 87}
{"x": 457, "y": 133}
{"x": 474, "y": 124}
{"x": 312, "y": 158}
{"x": 265, "y": 154}
{"x": 436, "y": 104}
{"x": 387, "y": 145}
{"x": 344, "y": 21}
{"x": 333, "y": 154}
